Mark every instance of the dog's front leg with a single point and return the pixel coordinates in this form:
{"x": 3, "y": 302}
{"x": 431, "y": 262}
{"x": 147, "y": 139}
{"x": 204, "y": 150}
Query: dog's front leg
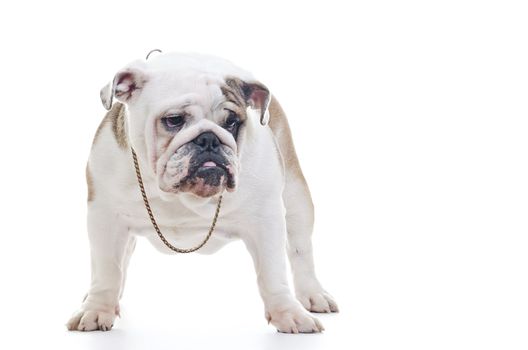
{"x": 266, "y": 241}
{"x": 109, "y": 243}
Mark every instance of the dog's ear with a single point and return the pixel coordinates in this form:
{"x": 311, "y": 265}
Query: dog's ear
{"x": 125, "y": 86}
{"x": 258, "y": 97}
{"x": 254, "y": 94}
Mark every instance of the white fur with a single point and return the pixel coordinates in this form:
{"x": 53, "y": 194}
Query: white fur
{"x": 255, "y": 212}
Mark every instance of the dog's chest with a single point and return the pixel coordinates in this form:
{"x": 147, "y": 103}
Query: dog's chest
{"x": 181, "y": 226}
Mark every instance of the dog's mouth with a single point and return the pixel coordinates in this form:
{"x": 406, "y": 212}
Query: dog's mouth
{"x": 206, "y": 164}
{"x": 209, "y": 174}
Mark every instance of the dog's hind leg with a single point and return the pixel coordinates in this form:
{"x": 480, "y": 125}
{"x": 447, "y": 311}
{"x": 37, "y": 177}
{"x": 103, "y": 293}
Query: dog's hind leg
{"x": 299, "y": 220}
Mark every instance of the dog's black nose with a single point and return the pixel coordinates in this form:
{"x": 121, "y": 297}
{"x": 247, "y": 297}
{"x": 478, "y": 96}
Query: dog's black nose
{"x": 207, "y": 141}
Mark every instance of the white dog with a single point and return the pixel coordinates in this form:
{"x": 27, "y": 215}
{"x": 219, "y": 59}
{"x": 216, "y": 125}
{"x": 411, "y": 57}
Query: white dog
{"x": 203, "y": 130}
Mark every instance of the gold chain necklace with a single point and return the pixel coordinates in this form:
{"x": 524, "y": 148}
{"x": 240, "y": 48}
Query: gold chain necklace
{"x": 155, "y": 225}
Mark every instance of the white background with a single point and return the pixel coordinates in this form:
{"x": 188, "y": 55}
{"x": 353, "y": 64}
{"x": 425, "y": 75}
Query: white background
{"x": 410, "y": 120}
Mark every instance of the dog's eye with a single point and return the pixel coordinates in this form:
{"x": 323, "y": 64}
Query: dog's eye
{"x": 232, "y": 121}
{"x": 173, "y": 121}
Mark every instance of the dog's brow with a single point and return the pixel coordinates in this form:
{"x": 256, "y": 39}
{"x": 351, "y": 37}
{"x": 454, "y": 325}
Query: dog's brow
{"x": 186, "y": 104}
{"x": 216, "y": 104}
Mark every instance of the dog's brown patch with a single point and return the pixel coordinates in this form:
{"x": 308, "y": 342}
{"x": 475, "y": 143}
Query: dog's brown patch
{"x": 232, "y": 90}
{"x": 297, "y": 192}
{"x": 281, "y": 129}
{"x": 116, "y": 118}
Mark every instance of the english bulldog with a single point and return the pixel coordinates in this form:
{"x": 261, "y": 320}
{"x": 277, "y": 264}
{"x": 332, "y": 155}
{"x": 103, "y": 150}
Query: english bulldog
{"x": 201, "y": 128}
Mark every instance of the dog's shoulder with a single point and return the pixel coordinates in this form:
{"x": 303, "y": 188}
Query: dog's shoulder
{"x": 114, "y": 119}
{"x": 109, "y": 152}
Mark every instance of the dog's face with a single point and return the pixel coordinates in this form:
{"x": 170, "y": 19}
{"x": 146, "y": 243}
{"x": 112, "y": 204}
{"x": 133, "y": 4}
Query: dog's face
{"x": 189, "y": 118}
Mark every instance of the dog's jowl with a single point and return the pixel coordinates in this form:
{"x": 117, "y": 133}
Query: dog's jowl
{"x": 204, "y": 132}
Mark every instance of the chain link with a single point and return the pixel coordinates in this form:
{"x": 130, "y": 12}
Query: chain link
{"x": 153, "y": 220}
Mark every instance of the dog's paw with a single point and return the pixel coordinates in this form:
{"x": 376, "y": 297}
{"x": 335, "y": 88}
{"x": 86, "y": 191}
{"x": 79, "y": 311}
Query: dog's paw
{"x": 317, "y": 300}
{"x": 294, "y": 319}
{"x": 91, "y": 320}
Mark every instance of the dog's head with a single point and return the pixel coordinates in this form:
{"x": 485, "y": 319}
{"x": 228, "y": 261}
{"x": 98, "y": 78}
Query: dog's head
{"x": 189, "y": 116}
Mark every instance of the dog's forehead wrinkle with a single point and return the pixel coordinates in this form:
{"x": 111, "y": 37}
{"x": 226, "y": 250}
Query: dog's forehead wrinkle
{"x": 204, "y": 93}
{"x": 211, "y": 77}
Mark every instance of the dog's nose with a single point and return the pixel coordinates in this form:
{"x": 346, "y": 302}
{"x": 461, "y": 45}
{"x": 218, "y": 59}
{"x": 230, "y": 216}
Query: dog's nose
{"x": 207, "y": 141}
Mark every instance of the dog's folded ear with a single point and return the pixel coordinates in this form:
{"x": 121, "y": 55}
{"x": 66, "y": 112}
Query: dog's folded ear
{"x": 125, "y": 86}
{"x": 258, "y": 97}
